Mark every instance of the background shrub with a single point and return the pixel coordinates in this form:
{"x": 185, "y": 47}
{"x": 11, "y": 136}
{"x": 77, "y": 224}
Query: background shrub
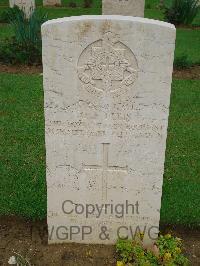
{"x": 167, "y": 251}
{"x": 12, "y": 52}
{"x": 28, "y": 31}
{"x": 4, "y": 16}
{"x": 87, "y": 3}
{"x": 182, "y": 11}
{"x": 9, "y": 14}
{"x": 26, "y": 45}
{"x": 72, "y": 4}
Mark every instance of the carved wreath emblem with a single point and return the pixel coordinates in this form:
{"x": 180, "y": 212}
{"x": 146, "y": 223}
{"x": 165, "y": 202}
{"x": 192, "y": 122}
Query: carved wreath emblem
{"x": 107, "y": 65}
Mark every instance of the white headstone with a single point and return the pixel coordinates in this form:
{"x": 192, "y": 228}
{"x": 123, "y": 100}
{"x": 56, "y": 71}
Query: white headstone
{"x": 27, "y": 6}
{"x": 51, "y": 2}
{"x": 123, "y": 7}
{"x": 107, "y": 83}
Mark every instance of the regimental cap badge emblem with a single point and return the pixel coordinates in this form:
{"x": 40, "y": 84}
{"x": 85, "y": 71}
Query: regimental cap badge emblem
{"x": 107, "y": 65}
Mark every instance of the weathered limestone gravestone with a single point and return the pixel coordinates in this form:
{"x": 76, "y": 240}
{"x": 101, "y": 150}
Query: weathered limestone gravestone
{"x": 51, "y": 2}
{"x": 123, "y": 7}
{"x": 107, "y": 82}
{"x": 27, "y": 6}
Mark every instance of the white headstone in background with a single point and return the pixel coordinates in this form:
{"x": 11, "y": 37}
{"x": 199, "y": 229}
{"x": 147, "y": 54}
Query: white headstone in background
{"x": 27, "y": 6}
{"x": 133, "y": 8}
{"x": 107, "y": 83}
{"x": 51, "y": 2}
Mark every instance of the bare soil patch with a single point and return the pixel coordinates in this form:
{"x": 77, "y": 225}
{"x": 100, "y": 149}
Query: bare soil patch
{"x": 30, "y": 240}
{"x": 188, "y": 73}
{"x": 189, "y": 27}
{"x": 20, "y": 69}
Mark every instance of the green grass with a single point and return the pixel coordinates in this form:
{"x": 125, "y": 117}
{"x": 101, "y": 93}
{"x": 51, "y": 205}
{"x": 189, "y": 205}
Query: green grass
{"x": 154, "y": 14}
{"x": 188, "y": 43}
{"x": 6, "y": 31}
{"x": 60, "y": 12}
{"x": 181, "y": 201}
{"x": 66, "y": 11}
{"x": 22, "y": 167}
{"x": 22, "y": 164}
{"x": 4, "y": 2}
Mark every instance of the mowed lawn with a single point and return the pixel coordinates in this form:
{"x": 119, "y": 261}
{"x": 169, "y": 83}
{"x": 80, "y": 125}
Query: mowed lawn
{"x": 22, "y": 164}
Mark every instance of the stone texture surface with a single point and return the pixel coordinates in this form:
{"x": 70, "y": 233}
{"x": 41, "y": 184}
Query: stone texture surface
{"x": 107, "y": 83}
{"x": 27, "y": 6}
{"x": 51, "y": 2}
{"x": 123, "y": 7}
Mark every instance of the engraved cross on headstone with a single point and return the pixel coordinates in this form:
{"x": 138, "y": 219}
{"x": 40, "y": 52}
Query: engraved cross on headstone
{"x": 105, "y": 167}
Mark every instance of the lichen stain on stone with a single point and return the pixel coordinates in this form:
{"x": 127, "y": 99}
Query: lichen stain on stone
{"x": 105, "y": 26}
{"x": 84, "y": 28}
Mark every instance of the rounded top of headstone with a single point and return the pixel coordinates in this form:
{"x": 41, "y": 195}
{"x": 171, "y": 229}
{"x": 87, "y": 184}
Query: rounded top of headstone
{"x": 110, "y": 18}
